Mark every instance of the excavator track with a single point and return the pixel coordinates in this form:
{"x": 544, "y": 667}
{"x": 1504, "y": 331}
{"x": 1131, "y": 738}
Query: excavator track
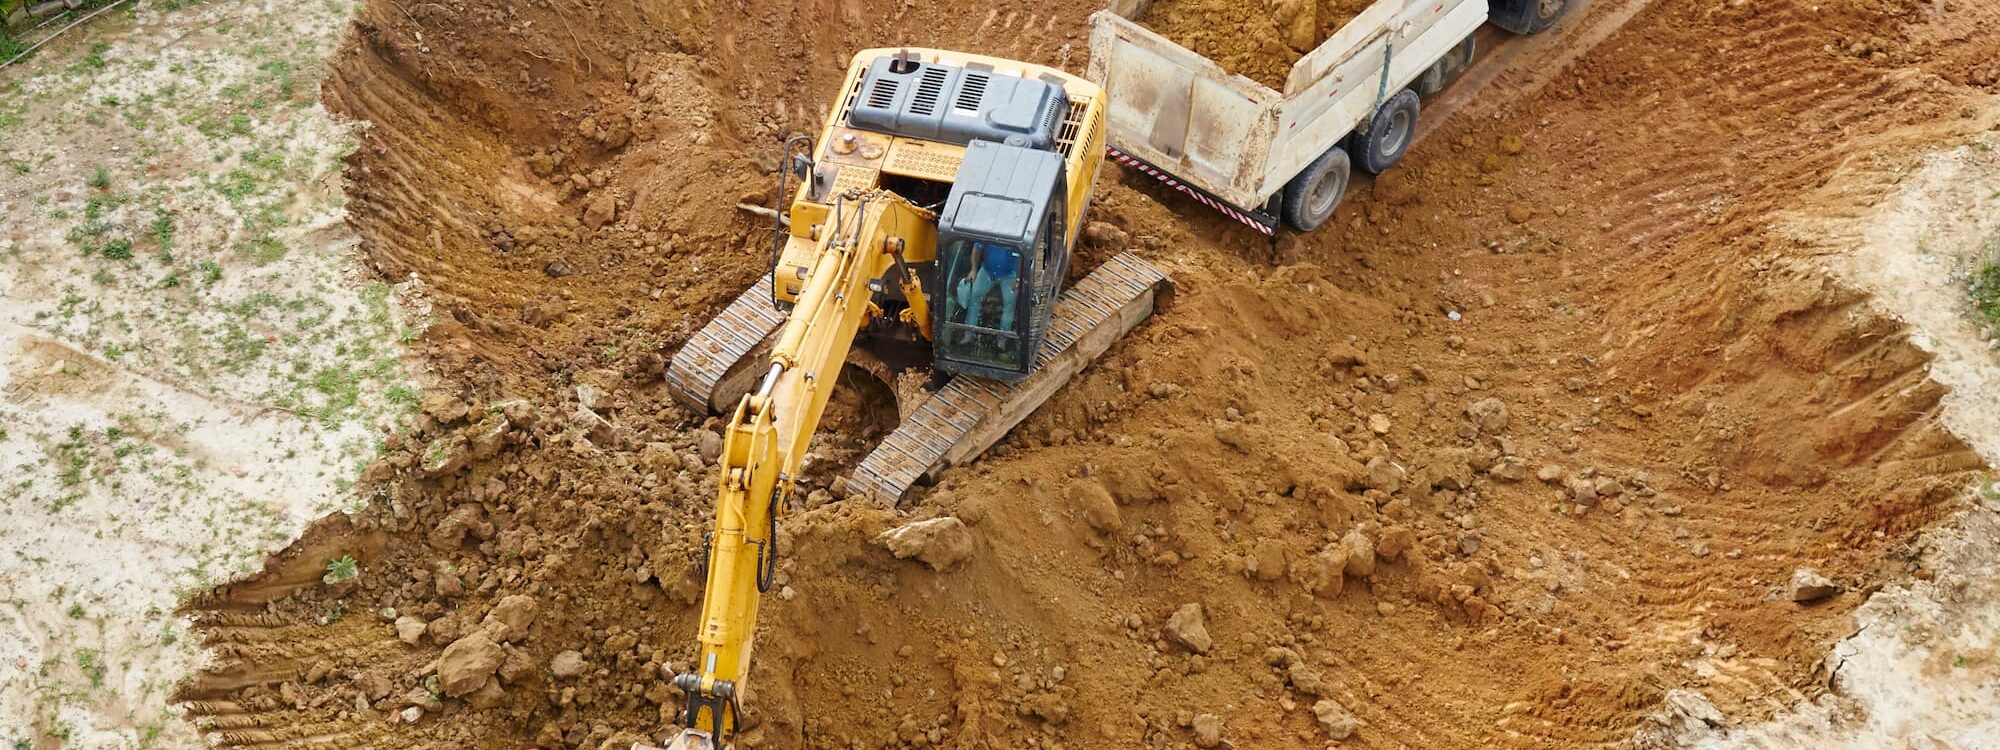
{"x": 969, "y": 414}
{"x": 715, "y": 368}
{"x": 962, "y": 419}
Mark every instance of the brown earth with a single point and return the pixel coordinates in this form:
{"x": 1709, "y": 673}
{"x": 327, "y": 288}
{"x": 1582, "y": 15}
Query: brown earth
{"x": 1588, "y": 489}
{"x": 1249, "y": 38}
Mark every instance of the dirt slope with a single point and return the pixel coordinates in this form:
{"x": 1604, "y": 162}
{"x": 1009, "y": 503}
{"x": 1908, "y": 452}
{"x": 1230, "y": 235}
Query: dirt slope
{"x": 1586, "y": 409}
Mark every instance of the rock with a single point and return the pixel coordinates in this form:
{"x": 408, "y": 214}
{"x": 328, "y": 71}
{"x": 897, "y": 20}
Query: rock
{"x": 567, "y": 664}
{"x": 1512, "y": 145}
{"x": 1188, "y": 629}
{"x": 444, "y": 407}
{"x": 1394, "y": 542}
{"x": 660, "y": 458}
{"x": 1809, "y": 586}
{"x": 1385, "y": 475}
{"x": 1338, "y": 723}
{"x": 411, "y": 715}
{"x": 1519, "y": 213}
{"x": 941, "y": 543}
{"x": 709, "y": 445}
{"x": 1232, "y": 434}
{"x": 600, "y": 210}
{"x": 1207, "y": 730}
{"x": 1304, "y": 678}
{"x": 372, "y": 686}
{"x": 488, "y": 696}
{"x": 1267, "y": 559}
{"x": 1322, "y": 574}
{"x": 1105, "y": 235}
{"x": 1097, "y": 507}
{"x": 510, "y": 619}
{"x": 1550, "y": 473}
{"x": 444, "y": 578}
{"x": 423, "y": 699}
{"x": 557, "y": 269}
{"x": 1359, "y": 554}
{"x": 411, "y": 629}
{"x": 517, "y": 668}
{"x": 468, "y": 663}
{"x": 1378, "y": 424}
{"x": 1488, "y": 414}
{"x": 1509, "y": 469}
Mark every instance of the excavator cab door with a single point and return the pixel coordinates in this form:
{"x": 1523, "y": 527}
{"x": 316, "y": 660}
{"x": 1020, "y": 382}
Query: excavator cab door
{"x": 1001, "y": 252}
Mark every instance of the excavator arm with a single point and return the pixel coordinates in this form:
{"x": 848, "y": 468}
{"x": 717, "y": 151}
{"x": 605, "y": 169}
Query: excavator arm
{"x": 768, "y": 434}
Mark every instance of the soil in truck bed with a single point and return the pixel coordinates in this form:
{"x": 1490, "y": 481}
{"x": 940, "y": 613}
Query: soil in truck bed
{"x": 1257, "y": 40}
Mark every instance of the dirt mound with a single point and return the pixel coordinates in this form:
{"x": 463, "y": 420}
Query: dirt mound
{"x": 1252, "y": 39}
{"x": 1536, "y": 431}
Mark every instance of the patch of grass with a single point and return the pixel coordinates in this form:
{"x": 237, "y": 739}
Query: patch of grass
{"x": 75, "y": 611}
{"x": 100, "y": 179}
{"x": 92, "y": 665}
{"x": 1986, "y": 287}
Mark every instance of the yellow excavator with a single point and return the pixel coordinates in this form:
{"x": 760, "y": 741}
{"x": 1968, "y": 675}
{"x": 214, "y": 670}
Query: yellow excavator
{"x": 938, "y": 209}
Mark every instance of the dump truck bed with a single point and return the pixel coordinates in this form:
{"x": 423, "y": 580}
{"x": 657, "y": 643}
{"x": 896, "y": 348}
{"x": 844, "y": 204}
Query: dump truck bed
{"x": 1223, "y": 137}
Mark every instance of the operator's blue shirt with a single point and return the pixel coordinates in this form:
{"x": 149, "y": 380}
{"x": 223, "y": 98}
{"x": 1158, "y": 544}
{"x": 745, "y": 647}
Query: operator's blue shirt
{"x": 999, "y": 262}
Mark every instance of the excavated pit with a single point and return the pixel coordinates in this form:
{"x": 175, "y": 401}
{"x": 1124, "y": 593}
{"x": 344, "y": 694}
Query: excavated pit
{"x": 1588, "y": 412}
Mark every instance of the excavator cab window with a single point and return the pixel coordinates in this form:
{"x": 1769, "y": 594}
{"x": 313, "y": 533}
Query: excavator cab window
{"x": 986, "y": 296}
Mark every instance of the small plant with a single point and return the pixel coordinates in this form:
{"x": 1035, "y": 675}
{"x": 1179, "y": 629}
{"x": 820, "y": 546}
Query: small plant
{"x": 1986, "y": 288}
{"x": 100, "y": 179}
{"x": 118, "y": 249}
{"x": 76, "y": 610}
{"x": 341, "y": 570}
{"x": 93, "y": 668}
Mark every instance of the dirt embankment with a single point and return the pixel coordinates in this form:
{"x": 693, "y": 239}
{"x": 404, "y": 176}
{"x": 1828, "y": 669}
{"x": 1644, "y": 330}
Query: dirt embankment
{"x": 1536, "y": 430}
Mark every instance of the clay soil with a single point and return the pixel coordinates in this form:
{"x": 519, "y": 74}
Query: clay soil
{"x": 1253, "y": 39}
{"x": 1588, "y": 409}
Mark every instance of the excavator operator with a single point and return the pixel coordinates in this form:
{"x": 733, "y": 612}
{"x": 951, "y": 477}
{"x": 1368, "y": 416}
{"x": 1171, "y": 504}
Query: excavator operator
{"x": 993, "y": 267}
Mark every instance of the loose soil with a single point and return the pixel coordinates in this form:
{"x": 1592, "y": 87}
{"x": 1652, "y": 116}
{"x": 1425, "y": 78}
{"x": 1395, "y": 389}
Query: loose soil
{"x": 1560, "y": 371}
{"x": 1252, "y": 39}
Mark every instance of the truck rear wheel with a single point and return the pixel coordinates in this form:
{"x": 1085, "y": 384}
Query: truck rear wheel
{"x": 1389, "y": 133}
{"x": 1527, "y": 16}
{"x": 1312, "y": 194}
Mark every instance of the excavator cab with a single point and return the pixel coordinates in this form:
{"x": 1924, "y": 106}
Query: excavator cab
{"x": 1002, "y": 253}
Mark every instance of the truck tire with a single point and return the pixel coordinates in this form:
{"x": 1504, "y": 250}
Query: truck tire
{"x": 1527, "y": 16}
{"x": 1448, "y": 68}
{"x": 1389, "y": 133}
{"x": 1312, "y": 194}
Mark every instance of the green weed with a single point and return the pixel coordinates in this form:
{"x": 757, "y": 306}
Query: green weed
{"x": 341, "y": 569}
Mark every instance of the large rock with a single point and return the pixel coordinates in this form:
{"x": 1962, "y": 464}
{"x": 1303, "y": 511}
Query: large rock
{"x": 411, "y": 629}
{"x": 1095, "y": 504}
{"x": 1207, "y": 730}
{"x": 566, "y": 664}
{"x": 1338, "y": 723}
{"x": 1488, "y": 414}
{"x": 1188, "y": 628}
{"x": 1809, "y": 586}
{"x": 1359, "y": 554}
{"x": 468, "y": 663}
{"x": 941, "y": 543}
{"x": 510, "y": 619}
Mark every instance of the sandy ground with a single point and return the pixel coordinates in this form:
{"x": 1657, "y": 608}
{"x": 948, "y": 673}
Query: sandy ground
{"x": 191, "y": 368}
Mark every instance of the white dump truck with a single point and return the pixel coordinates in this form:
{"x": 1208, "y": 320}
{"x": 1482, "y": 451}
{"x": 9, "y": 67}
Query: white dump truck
{"x": 1260, "y": 155}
